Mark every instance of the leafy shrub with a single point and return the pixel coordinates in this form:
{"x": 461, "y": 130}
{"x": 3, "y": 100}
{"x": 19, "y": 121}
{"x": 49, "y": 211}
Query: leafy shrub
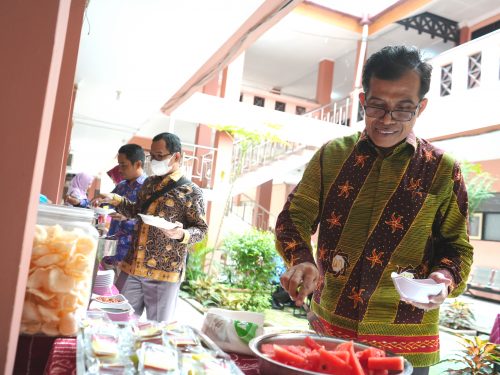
{"x": 195, "y": 263}
{"x": 457, "y": 315}
{"x": 477, "y": 357}
{"x": 252, "y": 266}
{"x": 252, "y": 259}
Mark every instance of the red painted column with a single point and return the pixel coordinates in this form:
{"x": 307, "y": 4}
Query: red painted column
{"x": 324, "y": 85}
{"x": 32, "y": 43}
{"x": 263, "y": 199}
{"x": 465, "y": 35}
{"x": 55, "y": 163}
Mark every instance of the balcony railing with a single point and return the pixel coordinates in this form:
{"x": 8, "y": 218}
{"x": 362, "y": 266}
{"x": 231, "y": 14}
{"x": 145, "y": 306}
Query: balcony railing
{"x": 338, "y": 112}
{"x": 248, "y": 157}
{"x": 252, "y": 213}
{"x": 198, "y": 161}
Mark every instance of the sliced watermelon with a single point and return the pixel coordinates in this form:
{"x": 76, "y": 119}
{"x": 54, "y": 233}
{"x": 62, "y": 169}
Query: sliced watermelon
{"x": 285, "y": 356}
{"x": 363, "y": 355}
{"x": 297, "y": 349}
{"x": 342, "y": 354}
{"x": 345, "y": 346}
{"x": 312, "y": 361}
{"x": 267, "y": 349}
{"x": 332, "y": 364}
{"x": 386, "y": 363}
{"x": 310, "y": 343}
{"x": 357, "y": 369}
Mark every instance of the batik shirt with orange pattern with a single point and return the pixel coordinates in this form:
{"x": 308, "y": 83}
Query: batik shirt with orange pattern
{"x": 403, "y": 212}
{"x": 153, "y": 255}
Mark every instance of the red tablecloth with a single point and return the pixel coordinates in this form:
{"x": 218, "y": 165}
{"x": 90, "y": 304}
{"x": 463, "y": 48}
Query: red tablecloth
{"x": 62, "y": 359}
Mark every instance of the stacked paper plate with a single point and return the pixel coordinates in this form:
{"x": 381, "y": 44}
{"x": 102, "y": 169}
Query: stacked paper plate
{"x": 104, "y": 282}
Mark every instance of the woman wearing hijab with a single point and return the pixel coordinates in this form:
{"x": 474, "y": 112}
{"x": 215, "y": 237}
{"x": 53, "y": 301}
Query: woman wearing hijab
{"x": 77, "y": 192}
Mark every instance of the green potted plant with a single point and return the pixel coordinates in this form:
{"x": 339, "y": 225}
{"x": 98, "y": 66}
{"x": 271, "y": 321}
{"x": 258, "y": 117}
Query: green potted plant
{"x": 252, "y": 264}
{"x": 478, "y": 182}
{"x": 457, "y": 317}
{"x": 477, "y": 357}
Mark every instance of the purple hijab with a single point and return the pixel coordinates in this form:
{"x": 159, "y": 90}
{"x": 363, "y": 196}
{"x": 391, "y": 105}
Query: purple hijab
{"x": 79, "y": 185}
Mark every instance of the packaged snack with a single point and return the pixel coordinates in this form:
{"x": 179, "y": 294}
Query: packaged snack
{"x": 157, "y": 359}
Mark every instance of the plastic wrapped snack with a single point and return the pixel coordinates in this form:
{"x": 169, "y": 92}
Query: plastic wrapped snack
{"x": 158, "y": 359}
{"x": 106, "y": 349}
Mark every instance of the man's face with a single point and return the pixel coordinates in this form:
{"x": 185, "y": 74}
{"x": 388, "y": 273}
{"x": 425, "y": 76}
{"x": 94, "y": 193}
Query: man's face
{"x": 128, "y": 170}
{"x": 160, "y": 152}
{"x": 397, "y": 95}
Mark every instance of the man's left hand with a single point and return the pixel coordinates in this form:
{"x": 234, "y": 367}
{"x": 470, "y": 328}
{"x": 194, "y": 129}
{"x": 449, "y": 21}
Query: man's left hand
{"x": 440, "y": 277}
{"x": 175, "y": 233}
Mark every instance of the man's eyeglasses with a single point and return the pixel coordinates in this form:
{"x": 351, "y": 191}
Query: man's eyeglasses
{"x": 396, "y": 115}
{"x": 157, "y": 157}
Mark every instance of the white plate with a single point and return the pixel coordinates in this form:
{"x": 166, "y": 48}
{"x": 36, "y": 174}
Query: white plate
{"x": 416, "y": 290}
{"x": 110, "y": 307}
{"x": 103, "y": 211}
{"x": 159, "y": 222}
{"x": 118, "y": 299}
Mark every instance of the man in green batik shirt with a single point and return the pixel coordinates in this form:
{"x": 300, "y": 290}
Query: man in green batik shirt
{"x": 385, "y": 201}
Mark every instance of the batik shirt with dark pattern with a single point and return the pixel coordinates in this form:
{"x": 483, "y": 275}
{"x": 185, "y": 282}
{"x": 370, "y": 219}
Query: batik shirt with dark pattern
{"x": 154, "y": 255}
{"x": 123, "y": 230}
{"x": 405, "y": 212}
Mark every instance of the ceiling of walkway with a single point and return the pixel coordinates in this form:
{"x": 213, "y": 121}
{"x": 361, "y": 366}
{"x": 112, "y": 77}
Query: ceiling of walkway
{"x": 135, "y": 55}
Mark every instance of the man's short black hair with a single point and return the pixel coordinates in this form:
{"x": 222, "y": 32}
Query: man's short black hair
{"x": 133, "y": 153}
{"x": 392, "y": 62}
{"x": 172, "y": 142}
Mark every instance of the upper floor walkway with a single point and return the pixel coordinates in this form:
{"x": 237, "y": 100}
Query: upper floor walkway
{"x": 463, "y": 98}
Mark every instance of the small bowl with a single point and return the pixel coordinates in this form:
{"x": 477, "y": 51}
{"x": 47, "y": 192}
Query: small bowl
{"x": 117, "y": 315}
{"x": 268, "y": 366}
{"x": 417, "y": 290}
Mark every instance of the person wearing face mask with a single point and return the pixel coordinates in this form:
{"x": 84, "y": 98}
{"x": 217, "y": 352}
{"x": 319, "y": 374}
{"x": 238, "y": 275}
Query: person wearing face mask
{"x": 385, "y": 201}
{"x": 151, "y": 271}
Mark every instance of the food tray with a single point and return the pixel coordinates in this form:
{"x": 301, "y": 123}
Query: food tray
{"x": 205, "y": 341}
{"x": 269, "y": 366}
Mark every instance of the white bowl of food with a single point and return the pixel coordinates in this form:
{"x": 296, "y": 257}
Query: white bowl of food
{"x": 417, "y": 290}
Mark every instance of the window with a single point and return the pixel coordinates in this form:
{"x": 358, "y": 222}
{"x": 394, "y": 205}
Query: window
{"x": 446, "y": 71}
{"x": 476, "y": 226}
{"x": 300, "y": 110}
{"x": 491, "y": 230}
{"x": 280, "y": 106}
{"x": 258, "y": 101}
{"x": 474, "y": 75}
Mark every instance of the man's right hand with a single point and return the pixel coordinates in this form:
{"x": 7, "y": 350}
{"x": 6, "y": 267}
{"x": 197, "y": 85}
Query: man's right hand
{"x": 300, "y": 281}
{"x": 118, "y": 217}
{"x": 102, "y": 198}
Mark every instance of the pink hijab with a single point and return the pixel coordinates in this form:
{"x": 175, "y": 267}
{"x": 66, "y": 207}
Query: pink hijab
{"x": 79, "y": 185}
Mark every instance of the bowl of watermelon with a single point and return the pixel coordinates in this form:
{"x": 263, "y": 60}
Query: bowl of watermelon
{"x": 303, "y": 353}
